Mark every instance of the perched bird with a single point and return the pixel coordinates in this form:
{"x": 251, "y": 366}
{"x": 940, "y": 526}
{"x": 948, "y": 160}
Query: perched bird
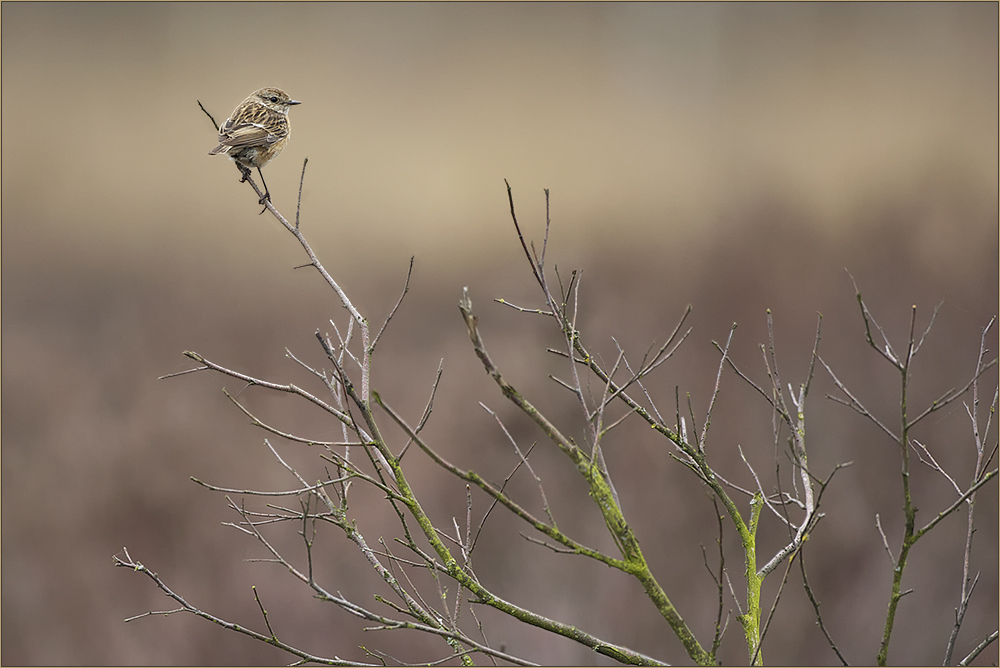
{"x": 256, "y": 132}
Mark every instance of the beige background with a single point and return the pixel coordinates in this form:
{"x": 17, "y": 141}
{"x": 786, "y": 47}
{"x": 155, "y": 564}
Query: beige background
{"x": 735, "y": 157}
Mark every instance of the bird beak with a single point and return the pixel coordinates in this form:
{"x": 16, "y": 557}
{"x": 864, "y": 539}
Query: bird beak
{"x": 294, "y": 102}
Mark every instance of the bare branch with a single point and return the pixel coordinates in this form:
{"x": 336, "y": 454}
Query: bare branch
{"x": 253, "y": 492}
{"x": 919, "y": 448}
{"x": 527, "y": 465}
{"x": 979, "y": 648}
{"x": 497, "y": 494}
{"x": 770, "y": 614}
{"x": 885, "y": 541}
{"x": 888, "y": 353}
{"x": 406, "y": 288}
{"x": 522, "y": 309}
{"x": 930, "y": 324}
{"x": 816, "y": 604}
{"x": 271, "y": 386}
{"x": 291, "y": 437}
{"x": 298, "y": 205}
{"x": 202, "y": 107}
{"x": 855, "y": 403}
{"x": 715, "y": 390}
{"x": 127, "y": 562}
{"x": 956, "y": 505}
{"x": 182, "y": 373}
{"x": 951, "y": 395}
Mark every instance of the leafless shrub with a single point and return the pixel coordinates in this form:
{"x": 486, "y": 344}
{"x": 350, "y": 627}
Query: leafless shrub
{"x": 607, "y": 395}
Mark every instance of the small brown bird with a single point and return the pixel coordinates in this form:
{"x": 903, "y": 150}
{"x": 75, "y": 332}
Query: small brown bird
{"x": 256, "y": 132}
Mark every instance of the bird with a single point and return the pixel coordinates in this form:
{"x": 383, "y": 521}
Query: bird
{"x": 256, "y": 132}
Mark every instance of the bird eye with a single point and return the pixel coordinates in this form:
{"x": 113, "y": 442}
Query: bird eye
{"x": 274, "y": 99}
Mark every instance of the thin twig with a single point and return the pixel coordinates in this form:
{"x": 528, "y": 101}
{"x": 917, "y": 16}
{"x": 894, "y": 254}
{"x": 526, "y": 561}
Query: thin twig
{"x": 715, "y": 390}
{"x": 291, "y": 437}
{"x": 254, "y": 492}
{"x": 979, "y": 648}
{"x": 127, "y": 562}
{"x": 885, "y": 541}
{"x": 854, "y": 402}
{"x": 770, "y": 614}
{"x": 181, "y": 373}
{"x": 298, "y": 205}
{"x": 816, "y": 604}
{"x": 406, "y": 288}
{"x": 527, "y": 464}
{"x": 214, "y": 124}
{"x": 427, "y": 409}
{"x": 292, "y": 389}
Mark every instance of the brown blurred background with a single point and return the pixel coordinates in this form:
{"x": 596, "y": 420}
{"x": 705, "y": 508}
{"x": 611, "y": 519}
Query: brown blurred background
{"x": 735, "y": 157}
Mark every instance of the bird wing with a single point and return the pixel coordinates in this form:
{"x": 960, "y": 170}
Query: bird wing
{"x": 247, "y": 134}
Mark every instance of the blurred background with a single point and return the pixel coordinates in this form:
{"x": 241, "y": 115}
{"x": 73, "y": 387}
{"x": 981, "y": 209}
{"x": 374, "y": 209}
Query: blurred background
{"x": 736, "y": 157}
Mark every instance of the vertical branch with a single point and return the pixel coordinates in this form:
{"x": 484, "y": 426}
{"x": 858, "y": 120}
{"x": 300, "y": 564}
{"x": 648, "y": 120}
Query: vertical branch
{"x": 968, "y": 584}
{"x": 909, "y": 510}
{"x": 314, "y": 261}
{"x": 751, "y": 619}
{"x": 568, "y": 327}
